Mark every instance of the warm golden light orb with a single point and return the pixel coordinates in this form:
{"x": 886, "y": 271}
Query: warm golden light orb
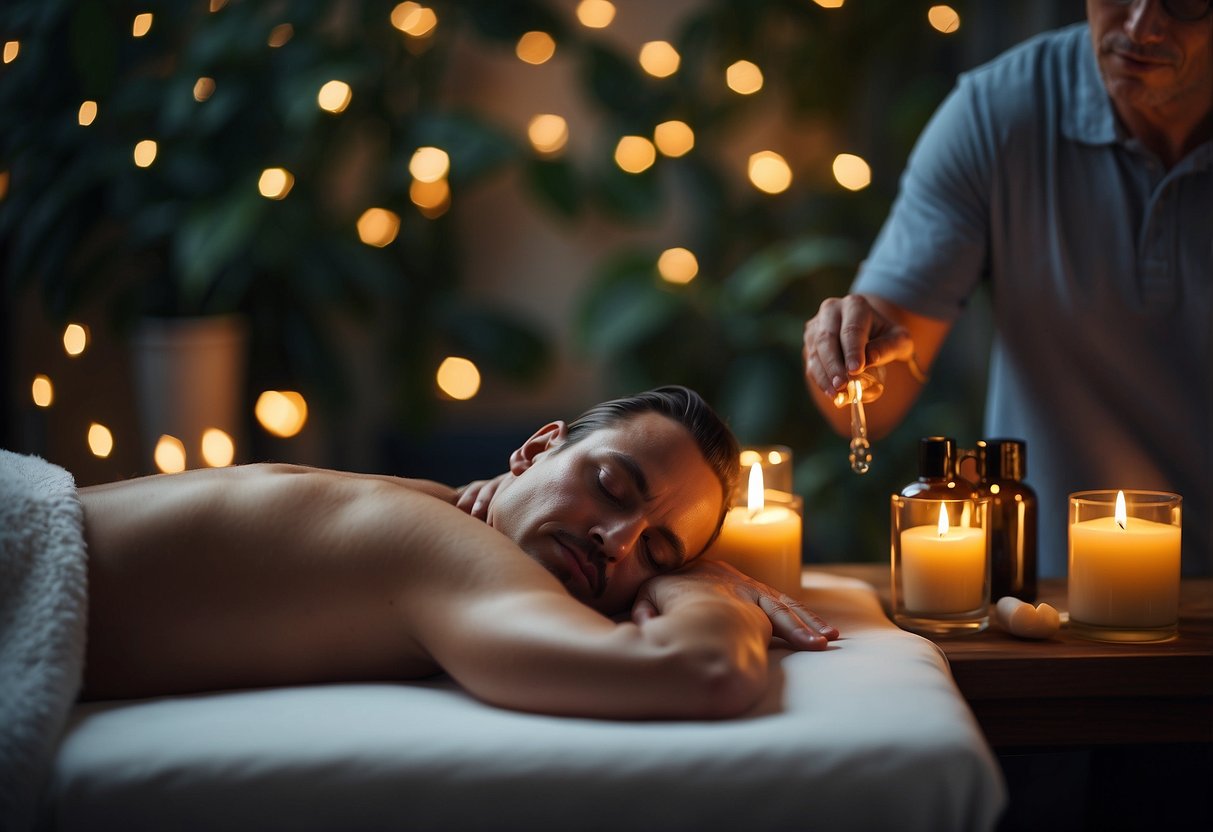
{"x": 402, "y": 12}
{"x": 659, "y": 59}
{"x": 204, "y": 88}
{"x": 280, "y": 34}
{"x": 42, "y": 391}
{"x": 635, "y": 154}
{"x": 218, "y": 449}
{"x": 750, "y": 457}
{"x": 431, "y": 198}
{"x": 414, "y": 19}
{"x": 75, "y": 339}
{"x": 458, "y": 378}
{"x": 100, "y": 440}
{"x": 334, "y": 96}
{"x": 378, "y": 227}
{"x": 281, "y": 412}
{"x": 142, "y": 25}
{"x": 677, "y": 265}
{"x": 852, "y": 172}
{"x": 169, "y": 455}
{"x": 12, "y": 48}
{"x": 275, "y": 183}
{"x": 743, "y": 77}
{"x": 830, "y": 4}
{"x": 535, "y": 48}
{"x": 674, "y": 138}
{"x": 595, "y": 14}
{"x": 87, "y": 113}
{"x": 145, "y": 153}
{"x": 770, "y": 172}
{"x": 548, "y": 133}
{"x": 943, "y": 19}
{"x": 216, "y": 5}
{"x": 429, "y": 164}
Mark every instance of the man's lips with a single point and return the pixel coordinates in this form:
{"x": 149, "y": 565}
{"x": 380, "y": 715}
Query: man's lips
{"x": 581, "y": 562}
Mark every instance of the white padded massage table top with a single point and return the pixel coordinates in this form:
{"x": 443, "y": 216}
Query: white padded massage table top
{"x": 871, "y": 734}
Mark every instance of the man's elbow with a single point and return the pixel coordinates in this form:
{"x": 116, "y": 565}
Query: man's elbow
{"x": 725, "y": 683}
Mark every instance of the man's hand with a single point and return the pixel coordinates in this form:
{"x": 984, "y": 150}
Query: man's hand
{"x": 474, "y": 498}
{"x": 845, "y": 336}
{"x": 790, "y": 620}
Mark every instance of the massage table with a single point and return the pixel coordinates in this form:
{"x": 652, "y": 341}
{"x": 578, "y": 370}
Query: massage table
{"x": 870, "y": 734}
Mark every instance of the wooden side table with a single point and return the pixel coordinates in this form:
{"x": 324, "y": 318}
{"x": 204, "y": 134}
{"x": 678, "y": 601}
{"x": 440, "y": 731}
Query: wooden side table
{"x": 1069, "y": 692}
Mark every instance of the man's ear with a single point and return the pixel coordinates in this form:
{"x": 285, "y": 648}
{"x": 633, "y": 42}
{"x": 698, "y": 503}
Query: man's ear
{"x": 547, "y": 438}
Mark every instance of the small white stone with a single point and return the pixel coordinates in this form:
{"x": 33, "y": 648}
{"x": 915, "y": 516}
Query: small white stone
{"x": 1020, "y": 618}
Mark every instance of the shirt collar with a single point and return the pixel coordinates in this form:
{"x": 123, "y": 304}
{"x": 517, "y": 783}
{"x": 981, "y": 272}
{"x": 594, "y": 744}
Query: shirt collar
{"x": 1087, "y": 114}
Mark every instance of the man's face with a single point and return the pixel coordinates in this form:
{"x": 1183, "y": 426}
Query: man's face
{"x": 1149, "y": 61}
{"x": 608, "y": 512}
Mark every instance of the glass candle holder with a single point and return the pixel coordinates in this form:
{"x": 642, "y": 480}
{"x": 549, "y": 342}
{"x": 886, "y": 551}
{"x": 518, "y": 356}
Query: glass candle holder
{"x": 1124, "y": 565}
{"x": 761, "y": 534}
{"x": 941, "y": 564}
{"x": 776, "y": 462}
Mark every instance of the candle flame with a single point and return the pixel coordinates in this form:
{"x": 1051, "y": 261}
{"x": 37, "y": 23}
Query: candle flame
{"x": 943, "y": 521}
{"x": 757, "y": 496}
{"x": 1122, "y": 516}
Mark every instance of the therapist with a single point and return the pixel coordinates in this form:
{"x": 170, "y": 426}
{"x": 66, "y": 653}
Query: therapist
{"x": 1072, "y": 174}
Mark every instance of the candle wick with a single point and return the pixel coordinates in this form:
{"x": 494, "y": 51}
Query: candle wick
{"x": 1121, "y": 523}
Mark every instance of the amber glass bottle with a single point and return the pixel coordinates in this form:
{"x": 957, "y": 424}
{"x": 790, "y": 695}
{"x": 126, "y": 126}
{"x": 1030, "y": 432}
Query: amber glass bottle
{"x": 1001, "y": 467}
{"x": 938, "y": 477}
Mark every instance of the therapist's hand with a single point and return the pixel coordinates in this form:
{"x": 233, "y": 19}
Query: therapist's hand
{"x": 790, "y": 620}
{"x": 474, "y": 498}
{"x": 846, "y": 335}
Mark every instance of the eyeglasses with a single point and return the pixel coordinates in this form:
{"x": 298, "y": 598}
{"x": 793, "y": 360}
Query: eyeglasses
{"x": 1186, "y": 11}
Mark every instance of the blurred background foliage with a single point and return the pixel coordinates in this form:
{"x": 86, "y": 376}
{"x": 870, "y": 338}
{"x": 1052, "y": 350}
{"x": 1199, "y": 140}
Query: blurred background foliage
{"x": 192, "y": 235}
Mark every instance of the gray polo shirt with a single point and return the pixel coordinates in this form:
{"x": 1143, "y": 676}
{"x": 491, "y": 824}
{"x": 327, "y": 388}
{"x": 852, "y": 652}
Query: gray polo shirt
{"x": 1100, "y": 265}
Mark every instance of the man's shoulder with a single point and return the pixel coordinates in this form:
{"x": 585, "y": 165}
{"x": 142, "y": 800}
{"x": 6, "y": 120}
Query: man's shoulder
{"x": 1032, "y": 85}
{"x": 1056, "y": 52}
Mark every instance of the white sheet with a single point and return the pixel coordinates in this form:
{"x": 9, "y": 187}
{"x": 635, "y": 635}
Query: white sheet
{"x": 872, "y": 734}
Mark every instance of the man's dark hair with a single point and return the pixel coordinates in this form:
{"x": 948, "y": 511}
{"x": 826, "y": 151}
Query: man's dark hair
{"x": 713, "y": 437}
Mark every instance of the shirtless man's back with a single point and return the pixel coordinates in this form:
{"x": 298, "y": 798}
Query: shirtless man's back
{"x": 272, "y": 575}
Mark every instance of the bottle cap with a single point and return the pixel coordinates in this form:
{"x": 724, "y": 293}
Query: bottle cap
{"x": 1002, "y": 459}
{"x": 937, "y": 457}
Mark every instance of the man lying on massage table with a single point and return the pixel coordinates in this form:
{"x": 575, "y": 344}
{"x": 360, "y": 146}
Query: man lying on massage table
{"x": 280, "y": 575}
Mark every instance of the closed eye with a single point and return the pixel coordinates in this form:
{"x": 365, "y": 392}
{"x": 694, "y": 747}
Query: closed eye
{"x": 613, "y": 498}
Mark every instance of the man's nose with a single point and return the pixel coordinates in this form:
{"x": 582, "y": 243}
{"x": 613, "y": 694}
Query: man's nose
{"x": 1145, "y": 20}
{"x": 617, "y": 536}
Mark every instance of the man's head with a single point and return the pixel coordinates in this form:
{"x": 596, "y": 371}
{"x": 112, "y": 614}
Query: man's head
{"x": 632, "y": 488}
{"x": 1155, "y": 56}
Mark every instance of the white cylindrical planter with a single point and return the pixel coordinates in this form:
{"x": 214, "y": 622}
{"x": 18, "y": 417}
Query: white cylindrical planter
{"x": 190, "y": 378}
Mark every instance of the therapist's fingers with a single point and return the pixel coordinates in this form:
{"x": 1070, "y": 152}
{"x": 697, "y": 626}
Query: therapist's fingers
{"x": 856, "y": 322}
{"x": 824, "y": 361}
{"x": 474, "y": 498}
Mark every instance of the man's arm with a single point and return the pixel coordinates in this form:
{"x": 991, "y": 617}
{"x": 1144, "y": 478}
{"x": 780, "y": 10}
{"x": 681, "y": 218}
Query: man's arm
{"x": 513, "y": 636}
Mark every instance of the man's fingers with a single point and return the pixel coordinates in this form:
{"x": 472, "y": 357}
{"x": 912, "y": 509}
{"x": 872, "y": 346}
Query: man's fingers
{"x": 794, "y": 624}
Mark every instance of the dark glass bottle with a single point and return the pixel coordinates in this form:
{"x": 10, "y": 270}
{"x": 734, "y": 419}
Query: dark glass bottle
{"x": 1001, "y": 467}
{"x": 938, "y": 477}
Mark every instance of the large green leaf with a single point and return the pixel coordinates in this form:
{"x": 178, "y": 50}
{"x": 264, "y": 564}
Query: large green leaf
{"x": 475, "y": 147}
{"x": 760, "y": 280}
{"x": 625, "y": 306}
{"x": 208, "y": 239}
{"x": 497, "y": 340}
{"x": 555, "y": 182}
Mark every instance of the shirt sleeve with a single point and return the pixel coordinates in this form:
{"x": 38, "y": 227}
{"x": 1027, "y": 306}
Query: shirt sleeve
{"x": 934, "y": 245}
